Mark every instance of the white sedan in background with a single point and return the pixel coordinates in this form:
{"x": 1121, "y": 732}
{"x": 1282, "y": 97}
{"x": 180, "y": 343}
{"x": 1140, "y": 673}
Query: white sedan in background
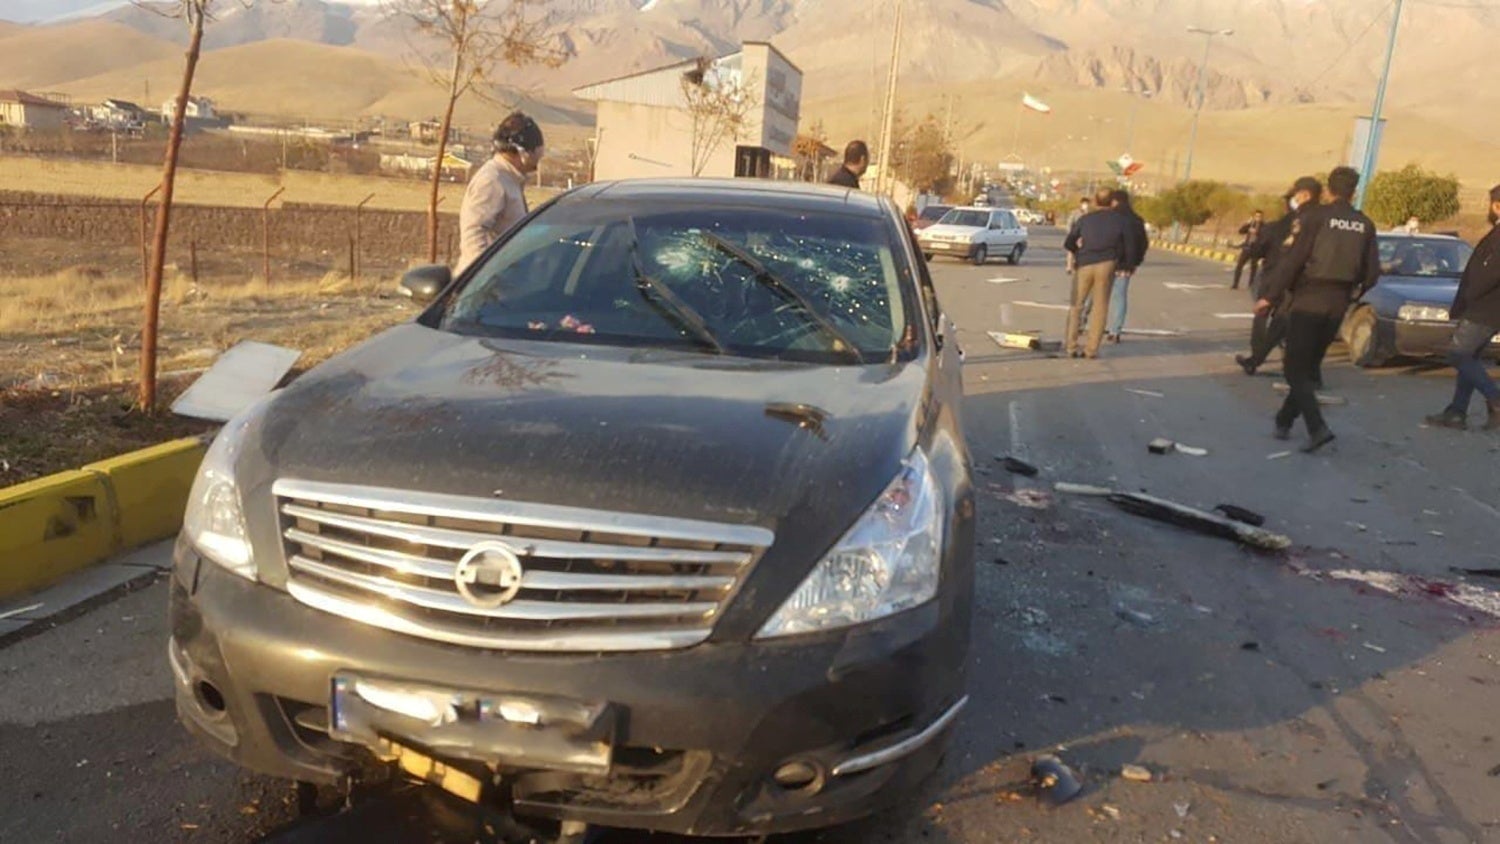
{"x": 976, "y": 234}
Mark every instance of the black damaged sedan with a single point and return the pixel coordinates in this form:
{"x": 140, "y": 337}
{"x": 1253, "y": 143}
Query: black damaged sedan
{"x": 657, "y": 517}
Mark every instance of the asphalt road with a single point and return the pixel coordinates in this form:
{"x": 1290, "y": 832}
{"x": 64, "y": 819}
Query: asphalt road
{"x": 1273, "y": 699}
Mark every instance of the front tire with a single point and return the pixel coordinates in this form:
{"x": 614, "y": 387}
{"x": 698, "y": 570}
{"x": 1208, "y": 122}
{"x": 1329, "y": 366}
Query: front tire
{"x": 1015, "y": 254}
{"x": 927, "y": 256}
{"x": 1365, "y": 349}
{"x": 981, "y": 255}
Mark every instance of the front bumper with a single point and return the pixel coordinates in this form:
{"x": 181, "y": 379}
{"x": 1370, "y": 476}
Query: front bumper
{"x": 1422, "y": 339}
{"x": 959, "y": 249}
{"x": 695, "y": 735}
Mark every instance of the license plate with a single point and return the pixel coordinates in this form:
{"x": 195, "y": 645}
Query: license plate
{"x": 939, "y": 247}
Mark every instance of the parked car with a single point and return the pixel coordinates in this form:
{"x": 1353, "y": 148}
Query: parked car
{"x": 981, "y": 200}
{"x": 976, "y": 234}
{"x": 660, "y": 514}
{"x": 930, "y": 215}
{"x": 1406, "y": 313}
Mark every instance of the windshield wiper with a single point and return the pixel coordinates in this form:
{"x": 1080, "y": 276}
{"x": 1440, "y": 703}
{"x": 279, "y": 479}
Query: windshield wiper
{"x": 668, "y": 303}
{"x": 770, "y": 280}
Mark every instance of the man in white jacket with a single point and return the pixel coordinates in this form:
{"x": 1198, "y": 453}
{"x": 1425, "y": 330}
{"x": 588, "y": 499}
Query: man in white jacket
{"x": 496, "y": 197}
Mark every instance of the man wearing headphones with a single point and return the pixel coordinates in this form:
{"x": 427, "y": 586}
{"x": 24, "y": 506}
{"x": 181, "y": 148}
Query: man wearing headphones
{"x": 496, "y": 197}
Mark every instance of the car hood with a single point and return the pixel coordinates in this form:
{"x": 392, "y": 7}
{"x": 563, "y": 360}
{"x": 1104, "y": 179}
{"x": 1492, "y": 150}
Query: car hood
{"x": 940, "y": 229}
{"x": 652, "y": 431}
{"x": 1433, "y": 291}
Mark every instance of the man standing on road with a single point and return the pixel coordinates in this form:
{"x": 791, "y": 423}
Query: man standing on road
{"x": 496, "y": 197}
{"x": 856, "y": 162}
{"x": 1332, "y": 261}
{"x": 1250, "y": 234}
{"x": 1269, "y": 327}
{"x": 1138, "y": 241}
{"x": 1477, "y": 309}
{"x": 1098, "y": 244}
{"x": 1076, "y": 215}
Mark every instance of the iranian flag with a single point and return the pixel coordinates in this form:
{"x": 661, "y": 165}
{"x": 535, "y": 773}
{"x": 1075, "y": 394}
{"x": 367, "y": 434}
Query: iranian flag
{"x": 1035, "y": 104}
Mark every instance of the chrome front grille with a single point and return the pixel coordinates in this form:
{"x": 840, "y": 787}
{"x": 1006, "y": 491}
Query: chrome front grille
{"x": 590, "y": 580}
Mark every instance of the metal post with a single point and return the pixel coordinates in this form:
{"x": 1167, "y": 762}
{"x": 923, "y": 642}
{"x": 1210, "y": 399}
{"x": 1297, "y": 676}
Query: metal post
{"x": 1367, "y": 167}
{"x": 354, "y": 262}
{"x": 145, "y": 237}
{"x": 1208, "y": 42}
{"x": 887, "y": 176}
{"x": 193, "y": 261}
{"x": 265, "y": 236}
{"x": 351, "y": 258}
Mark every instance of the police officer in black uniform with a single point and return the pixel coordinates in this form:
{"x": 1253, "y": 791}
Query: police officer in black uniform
{"x": 1269, "y": 327}
{"x": 1332, "y": 261}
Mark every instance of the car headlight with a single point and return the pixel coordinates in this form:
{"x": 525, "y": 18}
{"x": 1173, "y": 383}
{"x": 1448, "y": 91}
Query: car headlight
{"x": 215, "y": 521}
{"x": 1423, "y": 313}
{"x": 888, "y": 562}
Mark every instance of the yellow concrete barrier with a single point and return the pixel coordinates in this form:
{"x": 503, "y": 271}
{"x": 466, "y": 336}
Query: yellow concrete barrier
{"x": 151, "y": 488}
{"x": 53, "y": 526}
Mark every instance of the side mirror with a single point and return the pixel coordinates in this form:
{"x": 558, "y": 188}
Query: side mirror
{"x": 423, "y": 284}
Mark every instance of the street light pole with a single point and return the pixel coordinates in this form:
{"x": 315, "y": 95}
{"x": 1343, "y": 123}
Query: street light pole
{"x": 1208, "y": 42}
{"x": 1367, "y": 166}
{"x": 1135, "y": 106}
{"x": 887, "y": 174}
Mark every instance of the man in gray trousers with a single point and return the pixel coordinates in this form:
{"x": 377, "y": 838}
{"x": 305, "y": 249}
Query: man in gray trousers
{"x": 1098, "y": 244}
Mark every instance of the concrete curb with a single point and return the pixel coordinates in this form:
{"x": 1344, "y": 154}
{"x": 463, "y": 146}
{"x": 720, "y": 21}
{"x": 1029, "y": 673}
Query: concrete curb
{"x": 1217, "y": 255}
{"x": 54, "y": 526}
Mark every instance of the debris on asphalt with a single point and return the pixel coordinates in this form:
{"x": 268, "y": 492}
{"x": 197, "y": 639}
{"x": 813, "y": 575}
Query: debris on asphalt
{"x": 1376, "y": 648}
{"x": 1211, "y": 524}
{"x": 1136, "y": 773}
{"x": 1182, "y": 809}
{"x": 1250, "y": 646}
{"x": 1051, "y": 698}
{"x": 1455, "y": 569}
{"x": 1160, "y": 445}
{"x": 1032, "y": 499}
{"x": 1495, "y": 771}
{"x": 1436, "y": 533}
{"x": 1082, "y": 489}
{"x": 1034, "y": 617}
{"x": 1190, "y": 450}
{"x": 1136, "y": 617}
{"x": 1055, "y": 779}
{"x": 1359, "y": 526}
{"x": 1360, "y": 500}
{"x": 1017, "y": 466}
{"x": 1147, "y": 393}
{"x": 1240, "y": 514}
{"x": 1016, "y": 340}
{"x": 1278, "y": 455}
{"x": 1001, "y": 561}
{"x": 1112, "y": 811}
{"x": 1401, "y": 585}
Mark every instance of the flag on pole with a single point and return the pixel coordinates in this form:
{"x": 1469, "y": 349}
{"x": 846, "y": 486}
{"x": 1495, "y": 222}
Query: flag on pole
{"x": 1035, "y": 104}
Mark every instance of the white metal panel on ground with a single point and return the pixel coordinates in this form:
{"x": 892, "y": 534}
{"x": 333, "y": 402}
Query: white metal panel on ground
{"x": 239, "y": 377}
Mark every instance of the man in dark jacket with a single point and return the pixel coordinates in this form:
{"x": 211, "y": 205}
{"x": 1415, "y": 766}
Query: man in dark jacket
{"x": 1269, "y": 327}
{"x": 1249, "y": 236}
{"x": 1139, "y": 242}
{"x": 1098, "y": 245}
{"x": 1332, "y": 261}
{"x": 856, "y": 162}
{"x": 1477, "y": 309}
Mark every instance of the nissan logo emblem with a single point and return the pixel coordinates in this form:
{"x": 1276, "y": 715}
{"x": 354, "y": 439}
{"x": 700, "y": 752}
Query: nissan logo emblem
{"x": 489, "y": 575}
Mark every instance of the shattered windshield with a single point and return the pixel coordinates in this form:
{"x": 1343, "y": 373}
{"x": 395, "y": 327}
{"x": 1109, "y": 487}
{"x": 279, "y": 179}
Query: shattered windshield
{"x": 960, "y": 217}
{"x": 741, "y": 281}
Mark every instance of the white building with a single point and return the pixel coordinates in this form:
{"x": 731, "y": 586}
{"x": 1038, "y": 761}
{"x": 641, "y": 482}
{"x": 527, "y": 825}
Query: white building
{"x": 29, "y": 111}
{"x": 647, "y": 128}
{"x": 198, "y": 108}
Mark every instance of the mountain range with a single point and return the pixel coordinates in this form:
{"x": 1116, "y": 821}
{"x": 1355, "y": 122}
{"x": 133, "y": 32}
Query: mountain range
{"x": 341, "y": 58}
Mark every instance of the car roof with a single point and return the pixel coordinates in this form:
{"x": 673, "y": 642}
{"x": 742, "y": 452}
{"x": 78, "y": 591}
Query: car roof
{"x": 1405, "y": 235}
{"x": 761, "y": 193}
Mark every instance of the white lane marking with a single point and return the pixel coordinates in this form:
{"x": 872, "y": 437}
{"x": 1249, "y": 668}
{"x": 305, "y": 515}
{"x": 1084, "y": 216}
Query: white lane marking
{"x": 1234, "y": 316}
{"x": 1149, "y": 393}
{"x": 1154, "y": 332}
{"x": 1047, "y": 305}
{"x": 1015, "y": 428}
{"x": 1177, "y": 285}
{"x": 1004, "y": 280}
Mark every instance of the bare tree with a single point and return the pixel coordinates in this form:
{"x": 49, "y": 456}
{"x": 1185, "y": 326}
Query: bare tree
{"x": 719, "y": 105}
{"x": 476, "y": 36}
{"x": 195, "y": 14}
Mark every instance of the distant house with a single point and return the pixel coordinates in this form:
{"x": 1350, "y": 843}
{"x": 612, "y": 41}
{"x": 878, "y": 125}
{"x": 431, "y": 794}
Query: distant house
{"x": 118, "y": 115}
{"x": 198, "y": 108}
{"x": 426, "y": 131}
{"x": 29, "y": 111}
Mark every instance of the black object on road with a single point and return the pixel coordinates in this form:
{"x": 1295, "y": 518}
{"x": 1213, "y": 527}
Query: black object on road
{"x": 1017, "y": 466}
{"x": 1240, "y": 514}
{"x": 1212, "y": 524}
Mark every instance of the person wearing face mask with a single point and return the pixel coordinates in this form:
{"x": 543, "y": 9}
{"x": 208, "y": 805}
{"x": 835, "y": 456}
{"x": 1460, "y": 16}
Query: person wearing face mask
{"x": 495, "y": 199}
{"x": 1269, "y": 328}
{"x": 1332, "y": 261}
{"x": 1477, "y": 309}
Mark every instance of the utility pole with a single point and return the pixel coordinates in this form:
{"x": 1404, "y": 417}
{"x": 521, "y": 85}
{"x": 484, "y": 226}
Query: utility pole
{"x": 1208, "y": 42}
{"x": 1367, "y": 167}
{"x": 887, "y": 179}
